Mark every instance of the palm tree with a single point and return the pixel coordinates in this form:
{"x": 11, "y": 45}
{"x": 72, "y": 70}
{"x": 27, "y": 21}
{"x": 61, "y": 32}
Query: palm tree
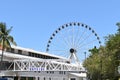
{"x": 5, "y": 38}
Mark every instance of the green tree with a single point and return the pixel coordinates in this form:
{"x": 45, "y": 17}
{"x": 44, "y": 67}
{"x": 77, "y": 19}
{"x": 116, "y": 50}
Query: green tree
{"x": 5, "y": 38}
{"x": 92, "y": 64}
{"x": 105, "y": 60}
{"x": 112, "y": 48}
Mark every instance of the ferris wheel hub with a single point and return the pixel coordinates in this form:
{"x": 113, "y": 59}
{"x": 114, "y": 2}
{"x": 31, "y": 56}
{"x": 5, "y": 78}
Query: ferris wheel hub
{"x": 72, "y": 50}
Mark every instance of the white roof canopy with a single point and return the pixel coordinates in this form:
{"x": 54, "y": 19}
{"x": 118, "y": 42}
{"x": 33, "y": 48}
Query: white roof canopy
{"x": 79, "y": 74}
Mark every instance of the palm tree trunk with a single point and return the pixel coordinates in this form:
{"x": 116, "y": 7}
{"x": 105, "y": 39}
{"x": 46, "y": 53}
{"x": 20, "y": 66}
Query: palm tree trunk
{"x": 2, "y": 51}
{"x": 1, "y": 63}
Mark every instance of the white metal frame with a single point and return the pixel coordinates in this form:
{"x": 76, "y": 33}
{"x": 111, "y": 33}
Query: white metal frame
{"x": 42, "y": 65}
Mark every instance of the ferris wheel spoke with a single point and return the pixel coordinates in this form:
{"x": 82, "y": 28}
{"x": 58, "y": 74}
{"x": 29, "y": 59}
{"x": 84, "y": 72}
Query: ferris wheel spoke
{"x": 72, "y": 36}
{"x": 80, "y": 37}
{"x": 62, "y": 40}
{"x": 68, "y": 37}
{"x": 55, "y": 46}
{"x": 77, "y": 35}
{"x": 85, "y": 38}
{"x": 65, "y": 40}
{"x": 87, "y": 44}
{"x": 61, "y": 52}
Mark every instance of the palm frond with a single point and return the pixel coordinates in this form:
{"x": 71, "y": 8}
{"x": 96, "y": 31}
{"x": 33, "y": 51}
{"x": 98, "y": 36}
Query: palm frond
{"x": 14, "y": 43}
{"x": 5, "y": 38}
{"x": 2, "y": 27}
{"x": 1, "y": 42}
{"x": 11, "y": 40}
{"x": 9, "y": 30}
{"x": 7, "y": 44}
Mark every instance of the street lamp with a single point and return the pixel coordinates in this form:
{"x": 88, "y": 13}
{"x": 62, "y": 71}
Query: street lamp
{"x": 85, "y": 66}
{"x": 100, "y": 63}
{"x": 101, "y": 69}
{"x": 119, "y": 69}
{"x": 85, "y": 60}
{"x": 85, "y": 55}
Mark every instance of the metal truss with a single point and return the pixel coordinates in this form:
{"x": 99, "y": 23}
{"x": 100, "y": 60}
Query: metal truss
{"x": 42, "y": 65}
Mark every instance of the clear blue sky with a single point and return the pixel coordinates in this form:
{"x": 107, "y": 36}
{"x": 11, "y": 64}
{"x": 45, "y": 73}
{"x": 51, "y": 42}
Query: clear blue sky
{"x": 34, "y": 21}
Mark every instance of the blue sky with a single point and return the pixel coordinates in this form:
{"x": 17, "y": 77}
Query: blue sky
{"x": 34, "y": 21}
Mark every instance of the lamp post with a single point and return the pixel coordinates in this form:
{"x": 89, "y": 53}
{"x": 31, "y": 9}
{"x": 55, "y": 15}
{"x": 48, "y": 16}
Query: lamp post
{"x": 101, "y": 64}
{"x": 85, "y": 55}
{"x": 85, "y": 66}
{"x": 118, "y": 69}
{"x": 101, "y": 69}
{"x": 85, "y": 60}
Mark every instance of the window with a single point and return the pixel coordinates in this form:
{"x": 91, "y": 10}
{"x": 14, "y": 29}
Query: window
{"x": 38, "y": 78}
{"x": 19, "y": 51}
{"x": 36, "y": 55}
{"x": 72, "y": 79}
{"x": 30, "y": 54}
{"x": 63, "y": 78}
{"x": 44, "y": 78}
{"x": 64, "y": 72}
{"x": 60, "y": 72}
{"x": 8, "y": 49}
{"x": 12, "y": 50}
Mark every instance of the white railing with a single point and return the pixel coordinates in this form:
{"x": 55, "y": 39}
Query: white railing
{"x": 42, "y": 65}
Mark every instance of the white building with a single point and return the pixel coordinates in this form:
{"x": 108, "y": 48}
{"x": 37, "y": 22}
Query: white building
{"x": 27, "y": 64}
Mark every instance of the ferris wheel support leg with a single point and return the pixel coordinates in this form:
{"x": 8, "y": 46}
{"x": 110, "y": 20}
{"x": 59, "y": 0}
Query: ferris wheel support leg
{"x": 76, "y": 59}
{"x": 70, "y": 58}
{"x": 73, "y": 58}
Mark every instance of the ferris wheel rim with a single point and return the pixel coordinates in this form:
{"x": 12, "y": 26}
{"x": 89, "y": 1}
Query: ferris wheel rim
{"x": 68, "y": 25}
{"x": 72, "y": 50}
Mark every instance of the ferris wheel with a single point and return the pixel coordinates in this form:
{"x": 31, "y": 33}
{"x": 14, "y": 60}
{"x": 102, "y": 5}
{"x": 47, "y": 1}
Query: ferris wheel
{"x": 73, "y": 40}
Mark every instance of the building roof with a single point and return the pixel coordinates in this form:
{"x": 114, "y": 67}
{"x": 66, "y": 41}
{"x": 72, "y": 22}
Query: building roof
{"x": 30, "y": 50}
{"x": 79, "y": 74}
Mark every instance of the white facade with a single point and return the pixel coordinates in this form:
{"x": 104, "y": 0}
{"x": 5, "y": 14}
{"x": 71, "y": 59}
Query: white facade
{"x": 21, "y": 62}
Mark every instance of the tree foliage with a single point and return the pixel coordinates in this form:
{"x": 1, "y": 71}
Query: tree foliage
{"x": 5, "y": 38}
{"x": 103, "y": 62}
